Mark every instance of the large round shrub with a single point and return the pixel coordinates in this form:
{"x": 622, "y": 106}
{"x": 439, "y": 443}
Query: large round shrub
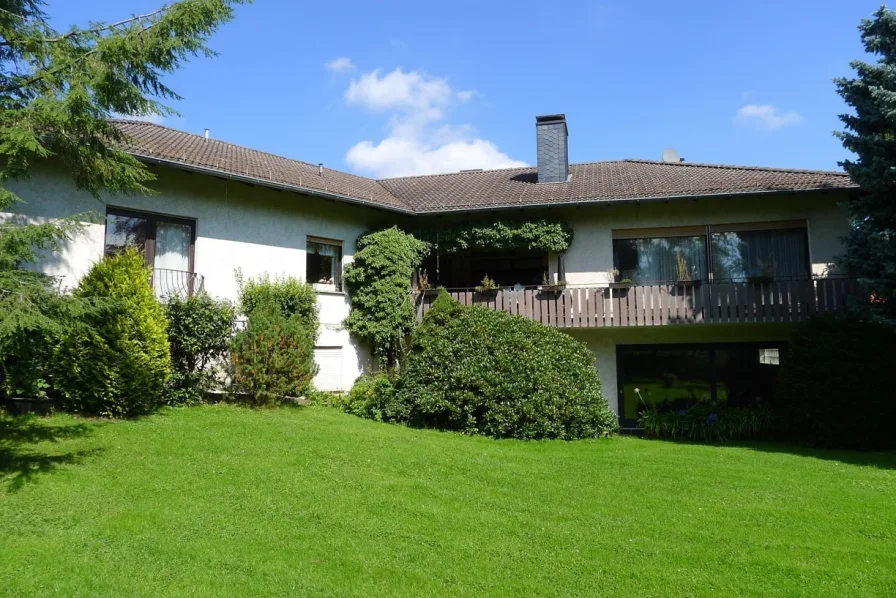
{"x": 486, "y": 372}
{"x": 838, "y": 385}
{"x": 116, "y": 362}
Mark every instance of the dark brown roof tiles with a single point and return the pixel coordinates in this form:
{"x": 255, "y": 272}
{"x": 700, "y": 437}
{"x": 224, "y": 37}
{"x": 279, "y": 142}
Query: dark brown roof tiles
{"x": 512, "y": 187}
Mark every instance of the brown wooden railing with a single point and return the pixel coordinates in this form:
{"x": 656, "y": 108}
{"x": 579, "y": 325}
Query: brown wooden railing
{"x": 166, "y": 283}
{"x": 665, "y": 304}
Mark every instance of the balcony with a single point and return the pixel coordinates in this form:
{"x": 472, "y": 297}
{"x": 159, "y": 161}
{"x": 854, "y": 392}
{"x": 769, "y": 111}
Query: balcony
{"x": 166, "y": 283}
{"x": 665, "y": 304}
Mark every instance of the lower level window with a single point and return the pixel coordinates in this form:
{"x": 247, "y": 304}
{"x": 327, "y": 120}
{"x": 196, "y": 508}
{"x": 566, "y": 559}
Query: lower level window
{"x": 740, "y": 375}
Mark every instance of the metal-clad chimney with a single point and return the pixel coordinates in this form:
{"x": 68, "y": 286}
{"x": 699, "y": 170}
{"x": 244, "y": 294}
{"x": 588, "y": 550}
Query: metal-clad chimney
{"x": 553, "y": 153}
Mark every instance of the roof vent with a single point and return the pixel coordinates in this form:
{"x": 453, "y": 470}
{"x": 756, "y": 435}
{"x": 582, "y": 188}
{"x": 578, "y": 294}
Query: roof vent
{"x": 206, "y": 134}
{"x": 553, "y": 153}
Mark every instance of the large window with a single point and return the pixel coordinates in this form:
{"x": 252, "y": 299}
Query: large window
{"x": 739, "y": 374}
{"x": 323, "y": 264}
{"x": 749, "y": 252}
{"x": 760, "y": 254}
{"x": 166, "y": 242}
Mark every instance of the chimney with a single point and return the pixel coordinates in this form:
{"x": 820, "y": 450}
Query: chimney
{"x": 206, "y": 134}
{"x": 553, "y": 155}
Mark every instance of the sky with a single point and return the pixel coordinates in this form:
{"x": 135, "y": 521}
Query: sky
{"x": 387, "y": 89}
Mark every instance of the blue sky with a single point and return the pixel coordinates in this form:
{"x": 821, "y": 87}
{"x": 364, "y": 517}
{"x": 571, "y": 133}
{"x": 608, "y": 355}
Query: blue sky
{"x": 387, "y": 89}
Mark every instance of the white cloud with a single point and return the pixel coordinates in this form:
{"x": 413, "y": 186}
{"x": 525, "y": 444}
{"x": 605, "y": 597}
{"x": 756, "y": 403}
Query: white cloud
{"x": 767, "y": 116}
{"x": 341, "y": 64}
{"x": 419, "y": 141}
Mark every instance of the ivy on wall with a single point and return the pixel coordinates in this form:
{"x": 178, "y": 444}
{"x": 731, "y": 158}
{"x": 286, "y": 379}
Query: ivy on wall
{"x": 532, "y": 235}
{"x": 379, "y": 283}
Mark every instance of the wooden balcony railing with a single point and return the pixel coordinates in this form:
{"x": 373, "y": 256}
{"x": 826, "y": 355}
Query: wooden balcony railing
{"x": 166, "y": 283}
{"x": 666, "y": 304}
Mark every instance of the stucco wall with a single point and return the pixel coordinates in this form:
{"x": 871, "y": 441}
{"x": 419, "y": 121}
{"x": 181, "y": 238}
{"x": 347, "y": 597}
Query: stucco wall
{"x": 237, "y": 226}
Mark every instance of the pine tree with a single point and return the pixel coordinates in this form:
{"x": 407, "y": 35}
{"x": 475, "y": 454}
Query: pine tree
{"x": 871, "y": 135}
{"x": 57, "y": 93}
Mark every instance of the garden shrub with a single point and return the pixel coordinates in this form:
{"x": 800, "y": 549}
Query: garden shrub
{"x": 115, "y": 363}
{"x": 273, "y": 357}
{"x": 837, "y": 386}
{"x": 293, "y": 296}
{"x": 199, "y": 332}
{"x": 480, "y": 371}
{"x": 373, "y": 397}
{"x": 705, "y": 421}
{"x": 379, "y": 283}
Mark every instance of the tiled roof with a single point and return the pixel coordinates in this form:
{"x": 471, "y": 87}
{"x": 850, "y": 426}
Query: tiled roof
{"x": 471, "y": 190}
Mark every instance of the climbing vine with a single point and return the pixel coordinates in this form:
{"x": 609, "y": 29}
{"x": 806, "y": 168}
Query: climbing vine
{"x": 532, "y": 235}
{"x": 379, "y": 282}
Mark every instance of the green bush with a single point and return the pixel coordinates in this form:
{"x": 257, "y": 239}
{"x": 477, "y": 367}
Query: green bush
{"x": 373, "y": 397}
{"x": 379, "y": 283}
{"x": 293, "y": 296}
{"x": 707, "y": 422}
{"x": 115, "y": 363}
{"x": 480, "y": 371}
{"x": 199, "y": 332}
{"x": 273, "y": 357}
{"x": 838, "y": 385}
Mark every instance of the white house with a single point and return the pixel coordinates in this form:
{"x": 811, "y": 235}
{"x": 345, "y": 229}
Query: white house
{"x": 683, "y": 278}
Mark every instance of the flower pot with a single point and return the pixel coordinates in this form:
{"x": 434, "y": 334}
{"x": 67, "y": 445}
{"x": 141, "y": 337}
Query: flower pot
{"x": 23, "y": 405}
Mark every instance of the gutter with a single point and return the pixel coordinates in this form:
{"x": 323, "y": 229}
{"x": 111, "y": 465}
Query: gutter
{"x": 466, "y": 209}
{"x": 245, "y": 178}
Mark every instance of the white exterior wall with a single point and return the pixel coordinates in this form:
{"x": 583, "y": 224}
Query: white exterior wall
{"x": 237, "y": 226}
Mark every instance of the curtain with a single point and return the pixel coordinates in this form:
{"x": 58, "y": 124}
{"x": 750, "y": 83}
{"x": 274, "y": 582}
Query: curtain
{"x": 760, "y": 254}
{"x": 661, "y": 259}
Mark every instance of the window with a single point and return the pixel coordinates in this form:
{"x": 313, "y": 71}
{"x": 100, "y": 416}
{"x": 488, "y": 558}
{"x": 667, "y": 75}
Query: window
{"x": 166, "y": 242}
{"x": 748, "y": 252}
{"x": 323, "y": 264}
{"x": 660, "y": 259}
{"x": 676, "y": 376}
{"x": 760, "y": 254}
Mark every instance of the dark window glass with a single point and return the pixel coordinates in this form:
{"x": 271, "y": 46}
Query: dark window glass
{"x": 660, "y": 259}
{"x": 675, "y": 377}
{"x": 763, "y": 254}
{"x": 123, "y": 232}
{"x": 323, "y": 263}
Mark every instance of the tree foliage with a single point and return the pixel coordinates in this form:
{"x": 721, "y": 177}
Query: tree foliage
{"x": 115, "y": 364}
{"x": 57, "y": 92}
{"x": 871, "y": 134}
{"x": 379, "y": 282}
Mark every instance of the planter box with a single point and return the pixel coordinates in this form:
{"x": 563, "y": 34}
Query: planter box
{"x": 688, "y": 283}
{"x": 23, "y": 405}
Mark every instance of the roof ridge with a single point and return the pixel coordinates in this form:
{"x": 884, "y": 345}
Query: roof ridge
{"x": 736, "y": 167}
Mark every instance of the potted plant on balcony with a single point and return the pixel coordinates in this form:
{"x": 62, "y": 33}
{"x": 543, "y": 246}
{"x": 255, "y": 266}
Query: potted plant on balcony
{"x": 551, "y": 287}
{"x": 766, "y": 273}
{"x": 488, "y": 286}
{"x": 422, "y": 284}
{"x": 616, "y": 282}
{"x": 685, "y": 277}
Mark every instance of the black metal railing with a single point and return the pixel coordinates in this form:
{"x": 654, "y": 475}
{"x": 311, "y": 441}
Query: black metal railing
{"x": 166, "y": 283}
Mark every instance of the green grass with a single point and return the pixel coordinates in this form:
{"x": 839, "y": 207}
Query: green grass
{"x": 227, "y": 501}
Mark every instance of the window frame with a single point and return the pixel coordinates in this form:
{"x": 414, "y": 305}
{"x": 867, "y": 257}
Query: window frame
{"x": 152, "y": 220}
{"x": 713, "y": 372}
{"x": 707, "y": 231}
{"x": 337, "y": 281}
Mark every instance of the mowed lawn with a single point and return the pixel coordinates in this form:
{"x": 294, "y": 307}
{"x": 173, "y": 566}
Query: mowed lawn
{"x": 222, "y": 500}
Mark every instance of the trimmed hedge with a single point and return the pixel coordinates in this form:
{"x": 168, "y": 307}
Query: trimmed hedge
{"x": 293, "y": 296}
{"x": 838, "y": 385}
{"x": 115, "y": 363}
{"x": 479, "y": 371}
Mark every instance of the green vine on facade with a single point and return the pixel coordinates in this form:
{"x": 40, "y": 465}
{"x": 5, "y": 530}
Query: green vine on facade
{"x": 532, "y": 235}
{"x": 379, "y": 283}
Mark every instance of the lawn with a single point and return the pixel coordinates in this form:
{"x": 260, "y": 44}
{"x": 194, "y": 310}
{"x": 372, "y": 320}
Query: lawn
{"x": 308, "y": 501}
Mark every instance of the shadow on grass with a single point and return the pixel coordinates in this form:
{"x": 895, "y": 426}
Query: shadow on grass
{"x": 878, "y": 459}
{"x": 21, "y": 463}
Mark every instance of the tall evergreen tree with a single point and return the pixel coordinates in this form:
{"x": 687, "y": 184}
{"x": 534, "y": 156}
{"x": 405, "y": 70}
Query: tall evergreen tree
{"x": 57, "y": 92}
{"x": 871, "y": 134}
